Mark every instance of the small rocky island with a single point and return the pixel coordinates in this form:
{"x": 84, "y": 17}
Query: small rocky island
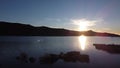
{"x": 109, "y": 48}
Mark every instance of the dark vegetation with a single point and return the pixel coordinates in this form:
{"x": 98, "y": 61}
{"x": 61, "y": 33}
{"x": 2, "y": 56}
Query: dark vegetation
{"x": 17, "y": 29}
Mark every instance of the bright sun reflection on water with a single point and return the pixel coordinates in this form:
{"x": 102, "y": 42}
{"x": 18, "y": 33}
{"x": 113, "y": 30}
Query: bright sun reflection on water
{"x": 82, "y": 40}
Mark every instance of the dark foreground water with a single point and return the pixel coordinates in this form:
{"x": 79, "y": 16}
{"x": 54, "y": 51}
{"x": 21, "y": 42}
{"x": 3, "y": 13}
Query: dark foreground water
{"x": 43, "y": 52}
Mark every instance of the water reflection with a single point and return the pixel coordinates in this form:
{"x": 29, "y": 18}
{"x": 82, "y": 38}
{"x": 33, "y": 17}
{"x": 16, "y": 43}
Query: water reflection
{"x": 82, "y": 41}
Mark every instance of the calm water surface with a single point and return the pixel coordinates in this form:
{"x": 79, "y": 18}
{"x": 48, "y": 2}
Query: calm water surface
{"x": 12, "y": 46}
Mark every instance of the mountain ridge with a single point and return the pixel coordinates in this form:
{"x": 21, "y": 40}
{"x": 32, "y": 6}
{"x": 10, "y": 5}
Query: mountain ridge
{"x": 18, "y": 29}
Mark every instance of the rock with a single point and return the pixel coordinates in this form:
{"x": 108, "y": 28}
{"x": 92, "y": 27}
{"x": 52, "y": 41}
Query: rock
{"x": 32, "y": 59}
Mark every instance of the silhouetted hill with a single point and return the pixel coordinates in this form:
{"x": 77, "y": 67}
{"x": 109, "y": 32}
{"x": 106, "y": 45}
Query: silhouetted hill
{"x": 17, "y": 29}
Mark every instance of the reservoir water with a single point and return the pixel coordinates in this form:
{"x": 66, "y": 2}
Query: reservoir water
{"x": 12, "y": 47}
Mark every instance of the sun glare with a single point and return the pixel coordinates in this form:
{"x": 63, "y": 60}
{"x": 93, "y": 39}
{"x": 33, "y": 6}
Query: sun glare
{"x": 82, "y": 40}
{"x": 83, "y": 24}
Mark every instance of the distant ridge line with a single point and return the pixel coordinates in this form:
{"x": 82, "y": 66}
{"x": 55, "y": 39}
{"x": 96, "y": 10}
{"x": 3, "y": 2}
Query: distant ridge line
{"x": 18, "y": 29}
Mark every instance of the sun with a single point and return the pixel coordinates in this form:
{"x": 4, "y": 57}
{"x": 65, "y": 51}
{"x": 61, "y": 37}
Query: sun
{"x": 82, "y": 26}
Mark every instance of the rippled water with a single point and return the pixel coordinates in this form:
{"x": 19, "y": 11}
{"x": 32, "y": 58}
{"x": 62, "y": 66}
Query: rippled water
{"x": 12, "y": 47}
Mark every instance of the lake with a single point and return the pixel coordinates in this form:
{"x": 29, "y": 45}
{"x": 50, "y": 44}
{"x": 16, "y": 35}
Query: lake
{"x": 41, "y": 52}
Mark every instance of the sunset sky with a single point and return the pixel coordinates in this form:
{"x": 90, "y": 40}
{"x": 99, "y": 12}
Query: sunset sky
{"x": 98, "y": 15}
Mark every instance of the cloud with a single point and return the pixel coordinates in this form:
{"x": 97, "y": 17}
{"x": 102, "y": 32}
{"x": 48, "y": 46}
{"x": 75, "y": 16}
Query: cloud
{"x": 106, "y": 29}
{"x": 84, "y": 21}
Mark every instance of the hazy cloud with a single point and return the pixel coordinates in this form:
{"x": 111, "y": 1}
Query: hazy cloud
{"x": 106, "y": 29}
{"x": 84, "y": 21}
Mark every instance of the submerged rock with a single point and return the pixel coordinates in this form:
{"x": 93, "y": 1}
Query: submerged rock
{"x": 75, "y": 56}
{"x": 23, "y": 57}
{"x": 32, "y": 59}
{"x": 72, "y": 56}
{"x": 49, "y": 59}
